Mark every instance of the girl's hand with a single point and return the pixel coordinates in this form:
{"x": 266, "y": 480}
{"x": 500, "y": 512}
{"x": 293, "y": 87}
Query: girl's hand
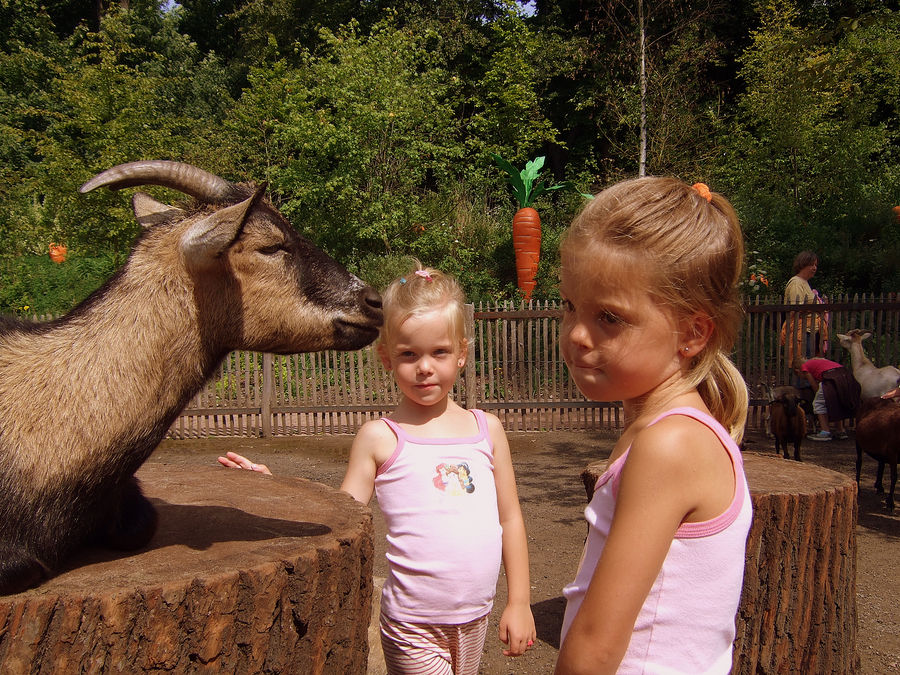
{"x": 232, "y": 460}
{"x": 517, "y": 630}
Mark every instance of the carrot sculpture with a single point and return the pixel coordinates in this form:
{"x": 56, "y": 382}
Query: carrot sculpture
{"x": 527, "y": 222}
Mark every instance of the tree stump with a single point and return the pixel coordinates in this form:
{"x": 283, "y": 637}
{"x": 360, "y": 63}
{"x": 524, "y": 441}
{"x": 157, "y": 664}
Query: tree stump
{"x": 798, "y": 604}
{"x": 246, "y": 574}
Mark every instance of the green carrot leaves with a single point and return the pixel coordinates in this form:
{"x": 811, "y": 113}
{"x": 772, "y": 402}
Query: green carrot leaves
{"x": 523, "y": 182}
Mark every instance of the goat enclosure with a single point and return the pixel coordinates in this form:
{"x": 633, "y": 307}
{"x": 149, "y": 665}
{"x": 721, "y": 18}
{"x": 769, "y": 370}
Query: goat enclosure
{"x": 516, "y": 372}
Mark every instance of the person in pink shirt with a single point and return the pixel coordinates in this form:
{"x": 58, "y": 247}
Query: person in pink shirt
{"x": 444, "y": 481}
{"x": 649, "y": 278}
{"x": 836, "y": 398}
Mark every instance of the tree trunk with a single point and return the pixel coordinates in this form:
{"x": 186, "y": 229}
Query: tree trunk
{"x": 247, "y": 573}
{"x": 798, "y": 604}
{"x": 642, "y": 161}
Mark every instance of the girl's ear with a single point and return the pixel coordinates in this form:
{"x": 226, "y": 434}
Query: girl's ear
{"x": 384, "y": 356}
{"x": 463, "y": 352}
{"x": 696, "y": 331}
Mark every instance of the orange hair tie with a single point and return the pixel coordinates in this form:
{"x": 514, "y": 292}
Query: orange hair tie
{"x": 703, "y": 190}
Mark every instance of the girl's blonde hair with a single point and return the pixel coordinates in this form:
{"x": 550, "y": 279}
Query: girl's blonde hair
{"x": 423, "y": 290}
{"x": 686, "y": 245}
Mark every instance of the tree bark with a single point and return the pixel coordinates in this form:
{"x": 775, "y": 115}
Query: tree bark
{"x": 247, "y": 573}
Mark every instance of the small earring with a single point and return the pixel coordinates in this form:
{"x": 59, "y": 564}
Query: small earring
{"x": 686, "y": 348}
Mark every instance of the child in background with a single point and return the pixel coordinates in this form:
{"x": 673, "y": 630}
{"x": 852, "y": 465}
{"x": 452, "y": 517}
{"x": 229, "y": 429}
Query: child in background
{"x": 444, "y": 480}
{"x": 837, "y": 394}
{"x": 649, "y": 284}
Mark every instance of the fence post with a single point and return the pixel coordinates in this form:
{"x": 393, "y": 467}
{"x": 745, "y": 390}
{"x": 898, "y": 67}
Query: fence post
{"x": 471, "y": 389}
{"x": 265, "y": 405}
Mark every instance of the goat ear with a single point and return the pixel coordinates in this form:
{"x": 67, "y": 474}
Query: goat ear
{"x": 206, "y": 239}
{"x": 150, "y": 212}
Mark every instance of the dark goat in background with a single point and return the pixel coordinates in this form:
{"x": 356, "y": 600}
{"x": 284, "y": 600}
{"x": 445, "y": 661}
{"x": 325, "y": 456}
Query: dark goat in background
{"x": 85, "y": 399}
{"x": 787, "y": 419}
{"x": 878, "y": 435}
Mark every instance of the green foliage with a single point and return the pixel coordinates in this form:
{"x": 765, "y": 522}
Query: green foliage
{"x": 524, "y": 186}
{"x": 506, "y": 99}
{"x": 376, "y": 133}
{"x": 33, "y": 285}
{"x": 135, "y": 89}
{"x": 353, "y": 138}
{"x": 812, "y": 158}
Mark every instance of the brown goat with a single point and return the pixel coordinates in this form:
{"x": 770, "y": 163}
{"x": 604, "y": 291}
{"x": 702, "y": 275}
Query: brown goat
{"x": 878, "y": 435}
{"x": 787, "y": 420}
{"x": 85, "y": 399}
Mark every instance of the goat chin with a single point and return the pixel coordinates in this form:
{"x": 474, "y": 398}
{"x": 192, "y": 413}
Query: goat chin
{"x": 85, "y": 399}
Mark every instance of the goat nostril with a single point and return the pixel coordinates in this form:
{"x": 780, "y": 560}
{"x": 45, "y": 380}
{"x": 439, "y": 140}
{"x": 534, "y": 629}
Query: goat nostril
{"x": 371, "y": 297}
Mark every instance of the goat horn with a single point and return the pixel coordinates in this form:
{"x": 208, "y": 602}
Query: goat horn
{"x": 190, "y": 180}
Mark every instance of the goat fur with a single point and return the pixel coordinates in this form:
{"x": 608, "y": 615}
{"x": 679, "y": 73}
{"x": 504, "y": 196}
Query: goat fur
{"x": 878, "y": 435}
{"x": 86, "y": 398}
{"x": 787, "y": 420}
{"x": 873, "y": 381}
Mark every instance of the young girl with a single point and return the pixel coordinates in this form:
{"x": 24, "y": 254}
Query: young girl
{"x": 649, "y": 277}
{"x": 444, "y": 481}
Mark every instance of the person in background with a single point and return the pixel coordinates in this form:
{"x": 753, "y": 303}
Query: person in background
{"x": 836, "y": 395}
{"x": 800, "y": 331}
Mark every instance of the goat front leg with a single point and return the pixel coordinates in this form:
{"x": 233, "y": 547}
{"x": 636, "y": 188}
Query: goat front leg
{"x": 890, "y": 497}
{"x": 781, "y": 446}
{"x": 859, "y": 454}
{"x": 796, "y": 451}
{"x": 879, "y": 478}
{"x": 19, "y": 569}
{"x": 133, "y": 520}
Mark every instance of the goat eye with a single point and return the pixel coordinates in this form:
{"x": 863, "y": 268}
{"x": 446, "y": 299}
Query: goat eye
{"x": 272, "y": 249}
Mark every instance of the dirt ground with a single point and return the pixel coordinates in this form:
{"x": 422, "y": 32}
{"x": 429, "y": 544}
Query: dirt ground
{"x": 553, "y": 499}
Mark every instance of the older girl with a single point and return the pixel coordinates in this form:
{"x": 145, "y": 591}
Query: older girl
{"x": 649, "y": 281}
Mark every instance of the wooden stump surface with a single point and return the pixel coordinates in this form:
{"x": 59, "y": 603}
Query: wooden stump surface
{"x": 798, "y": 604}
{"x": 246, "y": 574}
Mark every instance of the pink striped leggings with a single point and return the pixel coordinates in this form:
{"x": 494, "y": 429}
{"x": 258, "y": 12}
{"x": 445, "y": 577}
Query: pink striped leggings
{"x": 426, "y": 649}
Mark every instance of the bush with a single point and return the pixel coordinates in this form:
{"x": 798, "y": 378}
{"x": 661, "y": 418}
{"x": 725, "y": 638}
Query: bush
{"x": 34, "y": 285}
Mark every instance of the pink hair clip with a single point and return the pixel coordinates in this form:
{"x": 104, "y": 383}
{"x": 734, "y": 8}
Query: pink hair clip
{"x": 424, "y": 274}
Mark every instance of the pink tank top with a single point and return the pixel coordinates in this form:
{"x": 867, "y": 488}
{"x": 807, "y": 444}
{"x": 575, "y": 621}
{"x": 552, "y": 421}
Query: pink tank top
{"x": 444, "y": 539}
{"x": 686, "y": 624}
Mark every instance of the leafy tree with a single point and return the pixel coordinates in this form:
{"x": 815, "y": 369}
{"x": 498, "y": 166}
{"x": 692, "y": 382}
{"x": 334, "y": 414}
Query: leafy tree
{"x": 812, "y": 126}
{"x": 353, "y": 136}
{"x": 599, "y": 110}
{"x": 506, "y": 102}
{"x": 136, "y": 89}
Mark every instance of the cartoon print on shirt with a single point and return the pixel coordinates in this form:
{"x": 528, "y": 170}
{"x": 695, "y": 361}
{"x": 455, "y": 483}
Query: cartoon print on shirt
{"x": 454, "y": 479}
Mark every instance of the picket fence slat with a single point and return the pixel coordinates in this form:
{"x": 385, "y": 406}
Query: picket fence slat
{"x": 516, "y": 371}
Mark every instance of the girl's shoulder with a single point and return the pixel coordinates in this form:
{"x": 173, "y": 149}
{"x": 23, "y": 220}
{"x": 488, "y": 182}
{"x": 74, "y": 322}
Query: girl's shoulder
{"x": 378, "y": 438}
{"x": 490, "y": 419}
{"x": 688, "y": 457}
{"x": 677, "y": 439}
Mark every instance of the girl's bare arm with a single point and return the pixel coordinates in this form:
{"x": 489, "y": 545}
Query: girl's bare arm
{"x": 372, "y": 445}
{"x": 516, "y": 628}
{"x": 661, "y": 486}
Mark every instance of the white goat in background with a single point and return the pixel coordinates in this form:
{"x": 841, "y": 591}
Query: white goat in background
{"x": 872, "y": 381}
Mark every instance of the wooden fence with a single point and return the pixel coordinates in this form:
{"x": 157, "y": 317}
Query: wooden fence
{"x": 515, "y": 371}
